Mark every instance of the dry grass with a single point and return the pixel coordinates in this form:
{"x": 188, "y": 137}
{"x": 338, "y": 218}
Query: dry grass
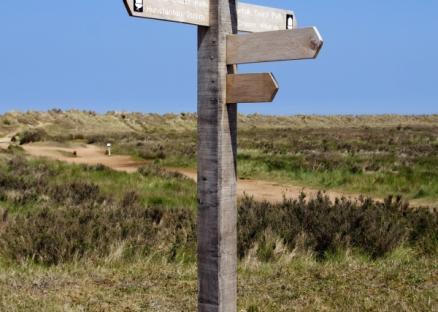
{"x": 75, "y": 122}
{"x": 279, "y": 270}
{"x": 397, "y": 283}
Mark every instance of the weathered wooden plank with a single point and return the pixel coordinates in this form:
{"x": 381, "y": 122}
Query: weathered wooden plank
{"x": 255, "y": 18}
{"x": 252, "y": 18}
{"x": 194, "y": 12}
{"x": 279, "y": 45}
{"x": 251, "y": 88}
{"x": 217, "y": 145}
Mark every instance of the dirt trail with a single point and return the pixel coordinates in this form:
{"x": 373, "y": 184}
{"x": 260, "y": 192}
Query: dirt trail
{"x": 4, "y": 142}
{"x": 91, "y": 154}
{"x": 86, "y": 154}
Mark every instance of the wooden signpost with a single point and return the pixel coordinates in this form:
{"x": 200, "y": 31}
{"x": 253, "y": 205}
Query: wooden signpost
{"x": 220, "y": 48}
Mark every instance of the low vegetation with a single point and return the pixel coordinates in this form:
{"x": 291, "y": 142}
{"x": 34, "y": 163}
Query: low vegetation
{"x": 32, "y": 135}
{"x": 53, "y": 219}
{"x": 400, "y": 282}
{"x": 372, "y": 155}
{"x": 58, "y": 230}
{"x": 87, "y": 238}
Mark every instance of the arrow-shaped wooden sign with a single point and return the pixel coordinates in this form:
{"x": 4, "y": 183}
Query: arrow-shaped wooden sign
{"x": 251, "y": 88}
{"x": 295, "y": 44}
{"x": 252, "y": 18}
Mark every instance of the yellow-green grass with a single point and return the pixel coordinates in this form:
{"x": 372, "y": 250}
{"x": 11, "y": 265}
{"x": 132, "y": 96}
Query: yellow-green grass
{"x": 152, "y": 190}
{"x": 399, "y": 282}
{"x": 372, "y": 155}
{"x": 280, "y": 269}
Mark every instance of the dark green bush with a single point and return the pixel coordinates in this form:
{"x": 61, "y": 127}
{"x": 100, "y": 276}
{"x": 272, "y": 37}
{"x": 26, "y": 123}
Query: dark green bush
{"x": 76, "y": 193}
{"x": 372, "y": 227}
{"x": 96, "y": 138}
{"x": 7, "y": 122}
{"x": 33, "y": 135}
{"x": 89, "y": 229}
{"x": 52, "y": 236}
{"x": 75, "y": 219}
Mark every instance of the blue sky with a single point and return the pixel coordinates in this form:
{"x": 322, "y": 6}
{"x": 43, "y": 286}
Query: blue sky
{"x": 378, "y": 57}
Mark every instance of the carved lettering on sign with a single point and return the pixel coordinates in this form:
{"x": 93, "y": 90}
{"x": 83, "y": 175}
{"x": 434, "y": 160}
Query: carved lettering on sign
{"x": 251, "y": 18}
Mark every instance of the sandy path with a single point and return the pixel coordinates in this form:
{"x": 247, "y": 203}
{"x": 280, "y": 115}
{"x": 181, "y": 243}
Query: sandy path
{"x": 87, "y": 154}
{"x": 4, "y": 142}
{"x": 91, "y": 154}
{"x": 267, "y": 190}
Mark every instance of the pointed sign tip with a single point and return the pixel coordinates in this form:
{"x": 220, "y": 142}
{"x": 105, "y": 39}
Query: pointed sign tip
{"x": 317, "y": 42}
{"x": 275, "y": 86}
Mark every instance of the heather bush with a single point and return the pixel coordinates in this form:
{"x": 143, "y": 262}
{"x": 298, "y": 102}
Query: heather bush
{"x": 22, "y": 182}
{"x": 93, "y": 229}
{"x": 7, "y": 122}
{"x": 75, "y": 219}
{"x": 96, "y": 138}
{"x": 76, "y": 193}
{"x": 33, "y": 135}
{"x": 320, "y": 226}
{"x": 68, "y": 219}
{"x": 52, "y": 236}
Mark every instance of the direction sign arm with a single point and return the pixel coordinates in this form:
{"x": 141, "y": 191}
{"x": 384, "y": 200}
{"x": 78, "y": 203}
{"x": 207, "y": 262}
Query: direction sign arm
{"x": 251, "y": 88}
{"x": 282, "y": 45}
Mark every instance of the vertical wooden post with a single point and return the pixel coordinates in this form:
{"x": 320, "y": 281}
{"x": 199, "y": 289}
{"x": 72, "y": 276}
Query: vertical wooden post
{"x": 217, "y": 132}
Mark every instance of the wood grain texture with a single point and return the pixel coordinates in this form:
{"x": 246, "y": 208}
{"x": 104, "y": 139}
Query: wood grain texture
{"x": 251, "y": 88}
{"x": 270, "y": 46}
{"x": 252, "y": 18}
{"x": 217, "y": 146}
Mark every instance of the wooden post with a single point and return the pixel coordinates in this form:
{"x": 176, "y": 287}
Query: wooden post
{"x": 220, "y": 49}
{"x": 217, "y": 145}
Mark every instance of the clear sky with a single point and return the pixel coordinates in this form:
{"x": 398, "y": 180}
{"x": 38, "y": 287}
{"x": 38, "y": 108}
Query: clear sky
{"x": 379, "y": 56}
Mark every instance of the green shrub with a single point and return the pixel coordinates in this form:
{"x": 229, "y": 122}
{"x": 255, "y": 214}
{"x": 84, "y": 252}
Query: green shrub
{"x": 32, "y": 135}
{"x": 52, "y": 236}
{"x": 97, "y": 138}
{"x": 322, "y": 227}
{"x": 76, "y": 193}
{"x": 71, "y": 220}
{"x": 88, "y": 228}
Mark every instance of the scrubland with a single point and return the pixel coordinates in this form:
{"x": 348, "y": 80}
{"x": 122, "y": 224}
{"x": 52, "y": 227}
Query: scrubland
{"x": 87, "y": 238}
{"x": 72, "y": 240}
{"x": 372, "y": 155}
